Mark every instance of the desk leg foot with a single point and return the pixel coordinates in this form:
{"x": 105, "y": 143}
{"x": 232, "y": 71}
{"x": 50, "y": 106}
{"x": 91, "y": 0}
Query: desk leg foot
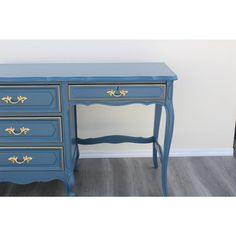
{"x": 70, "y": 185}
{"x": 168, "y": 136}
{"x": 164, "y": 178}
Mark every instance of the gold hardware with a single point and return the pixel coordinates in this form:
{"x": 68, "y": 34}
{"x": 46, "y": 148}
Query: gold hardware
{"x": 8, "y": 99}
{"x": 14, "y": 159}
{"x": 112, "y": 92}
{"x": 23, "y": 130}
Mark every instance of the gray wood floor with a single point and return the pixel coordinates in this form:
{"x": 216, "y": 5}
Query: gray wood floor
{"x": 187, "y": 176}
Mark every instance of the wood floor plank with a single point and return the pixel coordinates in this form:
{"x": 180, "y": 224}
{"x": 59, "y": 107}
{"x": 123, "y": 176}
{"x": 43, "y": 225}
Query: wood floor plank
{"x": 187, "y": 176}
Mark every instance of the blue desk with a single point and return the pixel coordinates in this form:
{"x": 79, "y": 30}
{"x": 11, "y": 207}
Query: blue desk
{"x": 38, "y": 133}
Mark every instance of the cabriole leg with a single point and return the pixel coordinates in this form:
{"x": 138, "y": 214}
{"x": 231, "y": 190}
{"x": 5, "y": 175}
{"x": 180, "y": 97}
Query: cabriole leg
{"x": 157, "y": 119}
{"x": 167, "y": 142}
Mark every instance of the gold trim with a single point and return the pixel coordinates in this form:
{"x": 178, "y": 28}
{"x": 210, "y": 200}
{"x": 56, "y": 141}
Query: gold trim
{"x": 40, "y": 147}
{"x": 37, "y": 86}
{"x": 14, "y": 159}
{"x": 61, "y": 130}
{"x": 118, "y": 99}
{"x": 119, "y": 84}
{"x": 29, "y": 114}
{"x": 59, "y": 97}
{"x": 121, "y": 99}
{"x": 40, "y": 118}
{"x": 32, "y": 147}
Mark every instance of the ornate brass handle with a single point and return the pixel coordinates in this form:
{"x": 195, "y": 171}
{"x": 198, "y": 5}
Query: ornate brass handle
{"x": 11, "y": 130}
{"x": 14, "y": 159}
{"x": 8, "y": 99}
{"x": 112, "y": 92}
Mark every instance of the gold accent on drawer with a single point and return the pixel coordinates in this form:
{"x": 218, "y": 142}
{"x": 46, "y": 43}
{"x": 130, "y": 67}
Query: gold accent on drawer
{"x": 23, "y": 130}
{"x": 112, "y": 93}
{"x": 8, "y": 99}
{"x": 14, "y": 160}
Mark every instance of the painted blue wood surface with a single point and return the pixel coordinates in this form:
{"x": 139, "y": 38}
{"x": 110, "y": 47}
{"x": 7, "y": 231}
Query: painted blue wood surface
{"x": 115, "y": 139}
{"x": 53, "y": 91}
{"x": 43, "y": 159}
{"x": 88, "y": 72}
{"x": 41, "y": 129}
{"x": 157, "y": 120}
{"x": 168, "y": 135}
{"x": 39, "y": 98}
{"x": 70, "y": 143}
{"x": 26, "y": 177}
{"x": 138, "y": 92}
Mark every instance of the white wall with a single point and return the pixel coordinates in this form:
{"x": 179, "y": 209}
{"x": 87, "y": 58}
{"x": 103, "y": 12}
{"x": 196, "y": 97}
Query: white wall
{"x": 204, "y": 96}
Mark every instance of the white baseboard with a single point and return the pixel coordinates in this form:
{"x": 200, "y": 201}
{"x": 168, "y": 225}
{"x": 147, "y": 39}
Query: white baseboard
{"x": 148, "y": 153}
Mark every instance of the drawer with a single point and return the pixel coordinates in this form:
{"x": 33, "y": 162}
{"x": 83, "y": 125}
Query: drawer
{"x": 118, "y": 92}
{"x": 30, "y": 130}
{"x": 29, "y": 99}
{"x": 31, "y": 159}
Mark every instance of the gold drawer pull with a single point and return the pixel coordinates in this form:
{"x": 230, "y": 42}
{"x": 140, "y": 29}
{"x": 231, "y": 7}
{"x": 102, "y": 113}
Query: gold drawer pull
{"x": 112, "y": 92}
{"x": 14, "y": 159}
{"x": 23, "y": 130}
{"x": 8, "y": 99}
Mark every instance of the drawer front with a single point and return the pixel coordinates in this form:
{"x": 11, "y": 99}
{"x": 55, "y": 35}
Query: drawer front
{"x": 31, "y": 159}
{"x": 30, "y": 130}
{"x": 117, "y": 92}
{"x": 29, "y": 99}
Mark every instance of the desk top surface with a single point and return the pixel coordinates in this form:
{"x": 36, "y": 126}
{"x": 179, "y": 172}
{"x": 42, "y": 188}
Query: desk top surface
{"x": 103, "y": 72}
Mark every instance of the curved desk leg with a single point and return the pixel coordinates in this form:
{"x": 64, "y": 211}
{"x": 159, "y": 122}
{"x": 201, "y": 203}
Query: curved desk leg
{"x": 168, "y": 136}
{"x": 157, "y": 119}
